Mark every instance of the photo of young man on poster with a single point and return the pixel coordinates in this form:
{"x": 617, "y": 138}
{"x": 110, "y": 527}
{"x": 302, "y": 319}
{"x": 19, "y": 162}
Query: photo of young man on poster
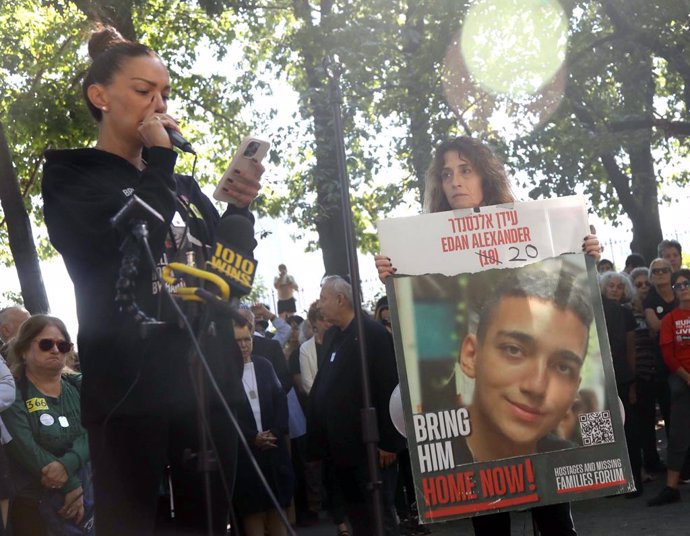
{"x": 506, "y": 379}
{"x": 525, "y": 358}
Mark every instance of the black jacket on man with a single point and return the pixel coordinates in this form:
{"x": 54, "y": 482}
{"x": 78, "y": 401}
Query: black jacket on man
{"x": 271, "y": 350}
{"x": 335, "y": 425}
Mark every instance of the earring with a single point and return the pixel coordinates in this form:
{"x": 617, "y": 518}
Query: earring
{"x": 104, "y": 108}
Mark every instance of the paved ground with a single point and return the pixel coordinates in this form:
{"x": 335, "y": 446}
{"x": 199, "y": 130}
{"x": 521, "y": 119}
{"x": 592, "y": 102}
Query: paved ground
{"x": 605, "y": 517}
{"x": 597, "y": 517}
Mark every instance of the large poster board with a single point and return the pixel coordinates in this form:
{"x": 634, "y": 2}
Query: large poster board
{"x": 507, "y": 384}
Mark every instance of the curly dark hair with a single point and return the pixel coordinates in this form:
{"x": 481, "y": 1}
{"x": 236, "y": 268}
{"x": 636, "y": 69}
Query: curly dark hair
{"x": 495, "y": 183}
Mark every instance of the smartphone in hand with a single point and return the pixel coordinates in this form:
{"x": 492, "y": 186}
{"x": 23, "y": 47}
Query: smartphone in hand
{"x": 250, "y": 148}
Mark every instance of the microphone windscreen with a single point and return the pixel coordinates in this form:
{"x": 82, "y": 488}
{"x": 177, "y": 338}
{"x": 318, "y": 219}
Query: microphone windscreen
{"x": 232, "y": 254}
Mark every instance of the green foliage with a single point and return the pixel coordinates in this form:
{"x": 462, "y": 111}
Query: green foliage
{"x": 9, "y": 297}
{"x": 609, "y": 124}
{"x": 43, "y": 59}
{"x": 259, "y": 293}
{"x": 39, "y": 93}
{"x": 618, "y": 84}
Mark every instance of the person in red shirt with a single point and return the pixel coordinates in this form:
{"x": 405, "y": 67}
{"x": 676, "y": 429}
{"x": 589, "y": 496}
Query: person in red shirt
{"x": 674, "y": 338}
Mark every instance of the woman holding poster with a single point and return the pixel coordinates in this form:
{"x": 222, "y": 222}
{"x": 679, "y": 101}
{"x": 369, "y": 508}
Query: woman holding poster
{"x": 465, "y": 173}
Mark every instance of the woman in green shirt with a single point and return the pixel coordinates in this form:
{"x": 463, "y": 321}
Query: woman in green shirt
{"x": 49, "y": 446}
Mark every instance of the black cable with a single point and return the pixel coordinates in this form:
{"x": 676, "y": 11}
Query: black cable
{"x": 219, "y": 393}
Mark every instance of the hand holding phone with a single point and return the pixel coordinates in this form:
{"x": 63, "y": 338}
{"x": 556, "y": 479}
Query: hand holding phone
{"x": 243, "y": 172}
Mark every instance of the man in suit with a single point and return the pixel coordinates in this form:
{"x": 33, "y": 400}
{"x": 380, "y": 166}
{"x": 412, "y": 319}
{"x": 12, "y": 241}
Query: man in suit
{"x": 335, "y": 425}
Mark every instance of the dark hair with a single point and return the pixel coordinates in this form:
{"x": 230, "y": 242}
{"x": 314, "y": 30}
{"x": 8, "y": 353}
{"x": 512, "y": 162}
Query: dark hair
{"x": 635, "y": 260}
{"x": 560, "y": 287}
{"x": 381, "y": 306}
{"x": 242, "y": 322}
{"x": 296, "y": 319}
{"x": 665, "y": 244}
{"x": 495, "y": 184}
{"x": 605, "y": 261}
{"x": 26, "y": 334}
{"x": 683, "y": 272}
{"x": 109, "y": 51}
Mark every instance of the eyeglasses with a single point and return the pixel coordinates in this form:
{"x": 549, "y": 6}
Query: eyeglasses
{"x": 641, "y": 284}
{"x": 658, "y": 271}
{"x": 47, "y": 344}
{"x": 681, "y": 285}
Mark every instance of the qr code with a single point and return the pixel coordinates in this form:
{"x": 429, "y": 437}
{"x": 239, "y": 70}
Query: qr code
{"x": 596, "y": 428}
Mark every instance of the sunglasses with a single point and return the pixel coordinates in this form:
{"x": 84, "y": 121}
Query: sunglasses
{"x": 681, "y": 285}
{"x": 641, "y": 284}
{"x": 657, "y": 271}
{"x": 47, "y": 344}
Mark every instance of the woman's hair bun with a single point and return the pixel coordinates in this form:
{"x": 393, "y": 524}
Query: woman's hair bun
{"x": 102, "y": 39}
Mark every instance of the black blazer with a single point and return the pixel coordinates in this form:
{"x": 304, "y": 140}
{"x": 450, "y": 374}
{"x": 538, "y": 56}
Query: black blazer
{"x": 334, "y": 423}
{"x": 271, "y": 350}
{"x": 249, "y": 496}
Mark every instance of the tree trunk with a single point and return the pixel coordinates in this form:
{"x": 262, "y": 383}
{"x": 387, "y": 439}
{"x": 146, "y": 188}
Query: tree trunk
{"x": 638, "y": 90}
{"x": 646, "y": 233}
{"x": 329, "y": 224}
{"x": 19, "y": 233}
{"x": 329, "y": 214}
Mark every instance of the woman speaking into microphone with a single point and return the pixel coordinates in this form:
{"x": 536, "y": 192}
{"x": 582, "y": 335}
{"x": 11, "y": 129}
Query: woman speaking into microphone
{"x": 137, "y": 398}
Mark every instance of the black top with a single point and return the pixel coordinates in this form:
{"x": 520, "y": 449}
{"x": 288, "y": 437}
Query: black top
{"x": 272, "y": 351}
{"x": 82, "y": 190}
{"x": 660, "y": 306}
{"x": 293, "y": 361}
{"x": 250, "y": 496}
{"x": 619, "y": 322}
{"x": 335, "y": 400}
{"x": 645, "y": 349}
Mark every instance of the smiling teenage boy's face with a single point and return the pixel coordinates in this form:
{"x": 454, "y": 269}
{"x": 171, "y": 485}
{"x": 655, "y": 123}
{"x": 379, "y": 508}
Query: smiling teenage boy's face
{"x": 526, "y": 370}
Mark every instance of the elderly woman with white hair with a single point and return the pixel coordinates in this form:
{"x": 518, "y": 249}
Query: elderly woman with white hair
{"x": 616, "y": 291}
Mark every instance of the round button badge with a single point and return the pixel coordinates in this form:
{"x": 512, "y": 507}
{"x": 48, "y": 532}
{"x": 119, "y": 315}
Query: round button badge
{"x": 47, "y": 420}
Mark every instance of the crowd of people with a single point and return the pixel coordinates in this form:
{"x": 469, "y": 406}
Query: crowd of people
{"x": 300, "y": 413}
{"x": 644, "y": 311}
{"x": 114, "y": 441}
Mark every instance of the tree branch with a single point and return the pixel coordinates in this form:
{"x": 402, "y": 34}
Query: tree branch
{"x": 677, "y": 59}
{"x": 671, "y": 129}
{"x": 621, "y": 182}
{"x": 39, "y": 75}
{"x": 215, "y": 113}
{"x": 577, "y": 56}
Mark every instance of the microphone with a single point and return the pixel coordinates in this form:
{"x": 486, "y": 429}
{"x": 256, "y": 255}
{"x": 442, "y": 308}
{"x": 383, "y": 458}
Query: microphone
{"x": 178, "y": 141}
{"x": 231, "y": 269}
{"x": 231, "y": 257}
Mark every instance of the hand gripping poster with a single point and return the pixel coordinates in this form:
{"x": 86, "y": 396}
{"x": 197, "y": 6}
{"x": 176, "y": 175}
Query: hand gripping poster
{"x": 507, "y": 384}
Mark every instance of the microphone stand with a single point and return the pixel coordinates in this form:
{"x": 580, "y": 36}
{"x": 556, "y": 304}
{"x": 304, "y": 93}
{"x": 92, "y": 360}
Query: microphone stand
{"x": 370, "y": 432}
{"x": 134, "y": 217}
{"x": 205, "y": 462}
